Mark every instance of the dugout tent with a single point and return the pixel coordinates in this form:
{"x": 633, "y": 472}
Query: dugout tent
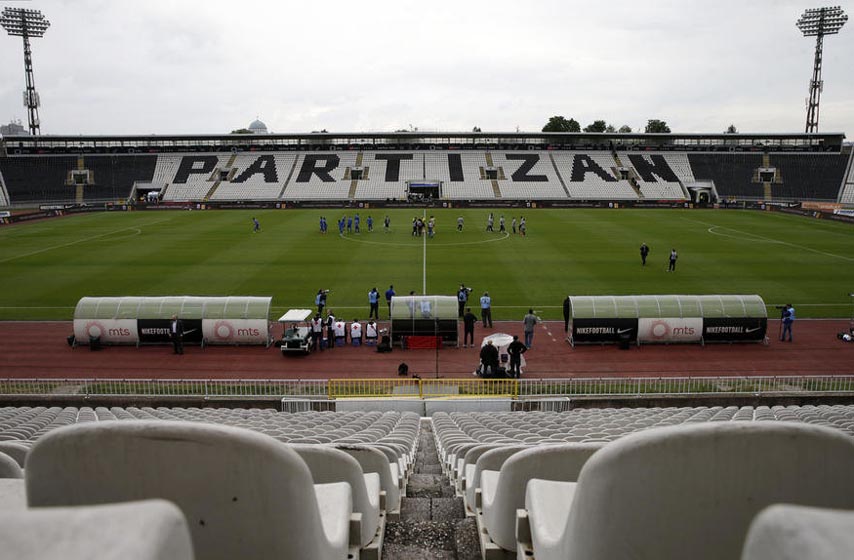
{"x": 424, "y": 316}
{"x": 144, "y": 320}
{"x": 667, "y": 318}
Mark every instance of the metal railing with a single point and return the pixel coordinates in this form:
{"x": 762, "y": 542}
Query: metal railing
{"x": 428, "y": 388}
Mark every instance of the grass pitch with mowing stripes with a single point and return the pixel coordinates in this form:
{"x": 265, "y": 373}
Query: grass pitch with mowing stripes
{"x": 46, "y": 266}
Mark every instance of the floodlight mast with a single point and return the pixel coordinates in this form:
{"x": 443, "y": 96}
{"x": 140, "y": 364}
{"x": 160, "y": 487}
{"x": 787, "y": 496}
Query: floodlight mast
{"x": 27, "y": 23}
{"x": 818, "y": 22}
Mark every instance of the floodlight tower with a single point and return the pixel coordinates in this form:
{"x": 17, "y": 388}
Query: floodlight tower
{"x": 817, "y": 23}
{"x": 27, "y": 23}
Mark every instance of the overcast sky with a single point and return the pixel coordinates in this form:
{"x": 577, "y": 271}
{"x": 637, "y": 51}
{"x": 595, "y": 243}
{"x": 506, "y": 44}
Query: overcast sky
{"x": 210, "y": 66}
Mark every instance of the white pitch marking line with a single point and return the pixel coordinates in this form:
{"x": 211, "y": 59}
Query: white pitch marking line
{"x": 756, "y": 237}
{"x": 70, "y": 243}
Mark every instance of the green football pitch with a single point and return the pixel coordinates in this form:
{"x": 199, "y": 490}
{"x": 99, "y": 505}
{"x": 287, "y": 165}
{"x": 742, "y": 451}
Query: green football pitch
{"x": 46, "y": 266}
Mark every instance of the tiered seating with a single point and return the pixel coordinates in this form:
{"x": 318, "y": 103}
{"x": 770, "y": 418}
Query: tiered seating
{"x": 375, "y": 187}
{"x": 308, "y": 185}
{"x": 684, "y": 491}
{"x": 600, "y": 184}
{"x": 113, "y": 176}
{"x": 474, "y": 448}
{"x": 196, "y": 186}
{"x": 383, "y": 443}
{"x": 39, "y": 179}
{"x": 268, "y": 173}
{"x": 146, "y": 530}
{"x": 35, "y": 179}
{"x": 847, "y": 195}
{"x": 464, "y": 185}
{"x": 4, "y": 199}
{"x": 660, "y": 184}
{"x": 809, "y": 176}
{"x": 539, "y": 183}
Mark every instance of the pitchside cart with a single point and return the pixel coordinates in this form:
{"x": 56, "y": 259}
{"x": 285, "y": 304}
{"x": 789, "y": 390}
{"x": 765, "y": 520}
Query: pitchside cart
{"x": 296, "y": 337}
{"x": 666, "y": 319}
{"x": 424, "y": 321}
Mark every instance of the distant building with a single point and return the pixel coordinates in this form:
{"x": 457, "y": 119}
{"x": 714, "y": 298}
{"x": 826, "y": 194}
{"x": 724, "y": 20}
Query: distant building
{"x": 257, "y": 127}
{"x": 14, "y": 128}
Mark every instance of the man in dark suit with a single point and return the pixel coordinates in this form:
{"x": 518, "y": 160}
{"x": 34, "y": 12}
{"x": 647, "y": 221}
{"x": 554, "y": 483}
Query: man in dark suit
{"x": 176, "y": 331}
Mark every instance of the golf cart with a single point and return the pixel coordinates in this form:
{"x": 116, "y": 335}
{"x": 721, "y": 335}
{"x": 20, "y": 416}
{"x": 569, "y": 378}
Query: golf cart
{"x": 297, "y": 336}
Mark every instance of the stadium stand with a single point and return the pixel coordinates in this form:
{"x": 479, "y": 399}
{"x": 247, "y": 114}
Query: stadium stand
{"x": 41, "y": 179}
{"x": 846, "y": 195}
{"x": 321, "y": 176}
{"x": 387, "y": 174}
{"x": 190, "y": 177}
{"x": 491, "y": 457}
{"x": 343, "y": 175}
{"x": 660, "y": 176}
{"x": 237, "y": 488}
{"x": 4, "y": 195}
{"x": 256, "y": 177}
{"x": 145, "y": 530}
{"x": 591, "y": 176}
{"x": 684, "y": 491}
{"x": 528, "y": 176}
{"x": 462, "y": 174}
{"x": 732, "y": 173}
{"x": 809, "y": 176}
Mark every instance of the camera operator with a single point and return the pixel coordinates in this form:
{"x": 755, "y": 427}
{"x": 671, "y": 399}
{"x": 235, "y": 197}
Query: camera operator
{"x": 462, "y": 298}
{"x": 786, "y": 319}
{"x": 320, "y": 300}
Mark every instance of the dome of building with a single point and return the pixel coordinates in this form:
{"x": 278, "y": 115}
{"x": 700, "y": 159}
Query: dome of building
{"x": 257, "y": 127}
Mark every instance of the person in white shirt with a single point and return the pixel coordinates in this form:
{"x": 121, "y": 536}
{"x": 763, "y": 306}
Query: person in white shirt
{"x": 356, "y": 332}
{"x": 317, "y": 332}
{"x": 371, "y": 333}
{"x": 340, "y": 333}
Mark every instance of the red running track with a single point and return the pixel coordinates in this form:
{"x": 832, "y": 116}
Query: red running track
{"x": 39, "y": 350}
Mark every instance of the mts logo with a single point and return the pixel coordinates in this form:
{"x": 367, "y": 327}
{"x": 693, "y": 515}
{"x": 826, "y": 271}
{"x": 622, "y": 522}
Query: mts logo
{"x": 118, "y": 332}
{"x": 248, "y": 332}
{"x": 683, "y": 330}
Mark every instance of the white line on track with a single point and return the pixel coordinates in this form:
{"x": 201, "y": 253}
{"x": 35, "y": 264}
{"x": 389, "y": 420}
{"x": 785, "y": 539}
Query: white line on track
{"x": 762, "y": 239}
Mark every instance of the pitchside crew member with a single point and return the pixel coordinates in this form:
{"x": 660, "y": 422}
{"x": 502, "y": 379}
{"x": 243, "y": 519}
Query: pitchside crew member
{"x": 330, "y": 329}
{"x": 374, "y": 301}
{"x": 486, "y": 310}
{"x": 317, "y": 332}
{"x": 469, "y": 319}
{"x": 644, "y": 252}
{"x": 388, "y": 295}
{"x": 176, "y": 331}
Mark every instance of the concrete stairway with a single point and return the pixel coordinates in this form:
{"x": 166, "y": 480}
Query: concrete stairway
{"x": 432, "y": 522}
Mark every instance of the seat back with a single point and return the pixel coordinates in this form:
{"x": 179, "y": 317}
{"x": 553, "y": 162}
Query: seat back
{"x": 9, "y": 467}
{"x": 15, "y": 450}
{"x": 561, "y": 462}
{"x": 374, "y": 461}
{"x": 244, "y": 494}
{"x": 148, "y": 530}
{"x": 692, "y": 491}
{"x": 785, "y": 532}
{"x": 490, "y": 461}
{"x": 328, "y": 464}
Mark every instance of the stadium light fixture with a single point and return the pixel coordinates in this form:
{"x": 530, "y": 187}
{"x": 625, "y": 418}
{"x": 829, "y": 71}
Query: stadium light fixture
{"x": 19, "y": 22}
{"x": 818, "y": 22}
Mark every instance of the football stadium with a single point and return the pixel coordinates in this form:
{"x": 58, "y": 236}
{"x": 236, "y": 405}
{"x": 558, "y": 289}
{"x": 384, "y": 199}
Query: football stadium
{"x": 595, "y": 344}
